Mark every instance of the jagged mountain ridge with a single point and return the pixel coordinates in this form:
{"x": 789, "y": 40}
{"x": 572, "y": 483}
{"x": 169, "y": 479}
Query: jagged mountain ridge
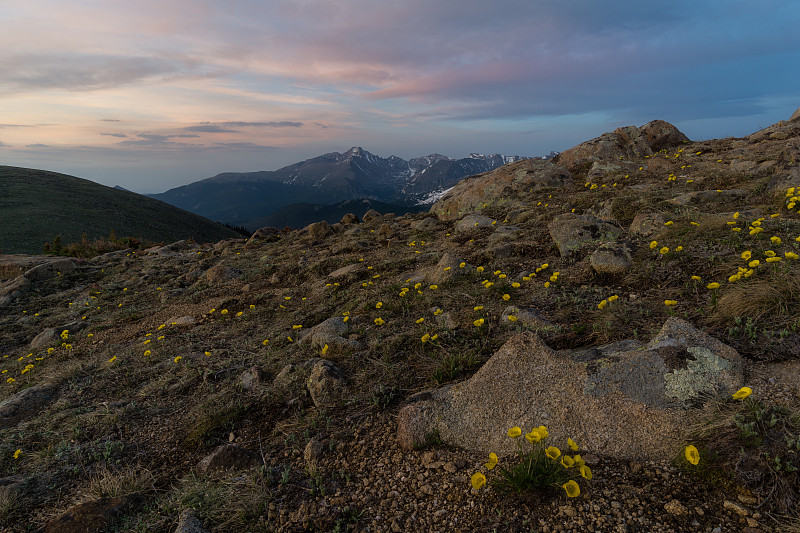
{"x": 242, "y": 197}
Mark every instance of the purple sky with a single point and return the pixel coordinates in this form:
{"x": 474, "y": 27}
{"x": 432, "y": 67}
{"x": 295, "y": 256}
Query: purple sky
{"x": 155, "y": 94}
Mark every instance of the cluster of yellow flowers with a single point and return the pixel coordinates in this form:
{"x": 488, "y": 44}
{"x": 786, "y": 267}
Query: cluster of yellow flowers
{"x": 536, "y": 436}
{"x": 610, "y": 299}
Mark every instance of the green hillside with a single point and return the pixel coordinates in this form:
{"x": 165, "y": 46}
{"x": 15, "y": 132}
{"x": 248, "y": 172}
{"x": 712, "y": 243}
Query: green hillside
{"x": 37, "y": 205}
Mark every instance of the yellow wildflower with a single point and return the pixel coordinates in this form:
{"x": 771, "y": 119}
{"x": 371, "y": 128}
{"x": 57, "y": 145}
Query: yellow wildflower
{"x": 478, "y": 480}
{"x": 512, "y": 318}
{"x": 670, "y": 303}
{"x": 742, "y": 393}
{"x": 572, "y": 488}
{"x": 112, "y": 359}
{"x": 696, "y": 278}
{"x": 492, "y": 462}
{"x": 653, "y": 245}
{"x": 567, "y": 461}
{"x": 572, "y": 445}
{"x": 379, "y": 321}
{"x": 747, "y": 255}
{"x": 586, "y": 472}
{"x": 602, "y": 304}
{"x": 420, "y": 320}
{"x": 692, "y": 455}
{"x": 17, "y": 453}
{"x": 178, "y": 358}
{"x": 664, "y": 250}
{"x": 514, "y": 432}
{"x": 553, "y": 453}
{"x": 478, "y": 323}
{"x": 378, "y": 305}
{"x": 147, "y": 352}
{"x": 506, "y": 297}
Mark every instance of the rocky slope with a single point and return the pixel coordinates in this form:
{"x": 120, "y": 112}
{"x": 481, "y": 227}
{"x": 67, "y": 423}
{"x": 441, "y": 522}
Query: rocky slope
{"x": 354, "y": 376}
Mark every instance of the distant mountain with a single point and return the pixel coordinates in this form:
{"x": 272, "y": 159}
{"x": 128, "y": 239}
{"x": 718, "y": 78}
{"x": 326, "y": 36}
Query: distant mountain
{"x": 301, "y": 214}
{"x": 36, "y": 206}
{"x": 240, "y": 197}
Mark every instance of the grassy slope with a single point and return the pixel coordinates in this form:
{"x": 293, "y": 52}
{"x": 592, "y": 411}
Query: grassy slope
{"x": 36, "y": 205}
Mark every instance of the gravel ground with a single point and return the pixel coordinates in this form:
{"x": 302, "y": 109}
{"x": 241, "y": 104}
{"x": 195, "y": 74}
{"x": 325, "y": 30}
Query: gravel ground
{"x": 429, "y": 490}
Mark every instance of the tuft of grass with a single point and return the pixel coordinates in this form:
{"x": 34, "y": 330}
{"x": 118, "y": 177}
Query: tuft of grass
{"x": 777, "y": 297}
{"x": 108, "y": 482}
{"x": 756, "y": 446}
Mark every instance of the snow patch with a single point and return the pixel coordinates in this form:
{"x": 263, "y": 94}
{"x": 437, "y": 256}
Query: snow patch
{"x": 433, "y": 196}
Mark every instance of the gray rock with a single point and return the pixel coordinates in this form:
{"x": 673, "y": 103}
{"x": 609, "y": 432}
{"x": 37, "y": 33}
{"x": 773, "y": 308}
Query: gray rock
{"x": 228, "y": 457}
{"x": 291, "y": 380}
{"x": 348, "y": 219}
{"x": 504, "y": 234}
{"x": 220, "y": 273}
{"x": 346, "y": 271}
{"x": 189, "y": 523}
{"x": 262, "y": 236}
{"x": 525, "y": 317}
{"x": 627, "y": 399}
{"x": 371, "y": 216}
{"x": 571, "y": 232}
{"x": 795, "y": 115}
{"x": 428, "y": 224}
{"x": 331, "y": 332}
{"x": 646, "y": 224}
{"x": 611, "y": 259}
{"x": 318, "y": 230}
{"x": 250, "y": 379}
{"x": 705, "y": 197}
{"x": 50, "y": 270}
{"x": 325, "y": 383}
{"x": 312, "y": 454}
{"x": 95, "y": 515}
{"x": 25, "y": 403}
{"x": 446, "y": 269}
{"x": 48, "y": 337}
{"x": 385, "y": 231}
{"x": 472, "y": 223}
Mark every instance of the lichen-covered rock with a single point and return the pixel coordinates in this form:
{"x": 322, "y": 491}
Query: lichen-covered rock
{"x": 48, "y": 337}
{"x": 325, "y": 383}
{"x": 626, "y": 399}
{"x": 571, "y": 232}
{"x": 611, "y": 259}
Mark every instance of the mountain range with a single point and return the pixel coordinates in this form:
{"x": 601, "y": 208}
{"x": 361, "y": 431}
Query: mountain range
{"x": 245, "y": 198}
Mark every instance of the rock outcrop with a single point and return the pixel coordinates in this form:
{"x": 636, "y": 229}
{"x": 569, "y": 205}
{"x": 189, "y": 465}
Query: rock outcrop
{"x": 627, "y": 399}
{"x": 624, "y": 143}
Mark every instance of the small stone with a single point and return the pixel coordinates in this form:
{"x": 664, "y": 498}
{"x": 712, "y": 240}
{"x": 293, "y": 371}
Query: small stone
{"x": 674, "y": 507}
{"x": 737, "y": 508}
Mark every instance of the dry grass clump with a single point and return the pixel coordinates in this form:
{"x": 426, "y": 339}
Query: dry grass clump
{"x": 777, "y": 297}
{"x": 114, "y": 482}
{"x": 756, "y": 446}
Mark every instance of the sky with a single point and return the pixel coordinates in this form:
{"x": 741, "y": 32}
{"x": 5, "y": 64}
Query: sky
{"x": 151, "y": 95}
